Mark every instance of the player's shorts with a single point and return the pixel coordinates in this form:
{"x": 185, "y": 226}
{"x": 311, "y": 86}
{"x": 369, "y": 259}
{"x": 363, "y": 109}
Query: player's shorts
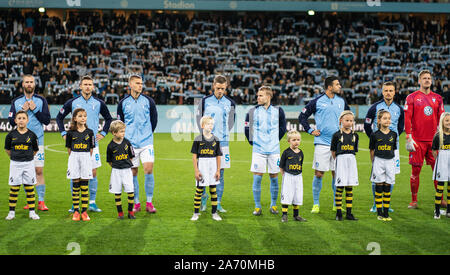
{"x": 207, "y": 168}
{"x": 383, "y": 170}
{"x": 146, "y": 154}
{"x": 121, "y": 178}
{"x": 39, "y": 158}
{"x": 397, "y": 161}
{"x": 22, "y": 172}
{"x": 262, "y": 163}
{"x": 96, "y": 160}
{"x": 441, "y": 171}
{"x": 423, "y": 151}
{"x": 323, "y": 160}
{"x": 225, "y": 161}
{"x": 292, "y": 189}
{"x": 79, "y": 166}
{"x": 346, "y": 170}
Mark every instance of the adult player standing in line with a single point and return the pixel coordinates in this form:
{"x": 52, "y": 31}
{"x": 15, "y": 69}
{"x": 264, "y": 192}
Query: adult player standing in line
{"x": 94, "y": 107}
{"x": 38, "y": 113}
{"x": 222, "y": 109}
{"x": 423, "y": 109}
{"x": 265, "y": 126}
{"x": 326, "y": 109}
{"x": 139, "y": 113}
{"x": 397, "y": 124}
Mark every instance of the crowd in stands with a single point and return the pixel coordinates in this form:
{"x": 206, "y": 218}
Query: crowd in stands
{"x": 178, "y": 56}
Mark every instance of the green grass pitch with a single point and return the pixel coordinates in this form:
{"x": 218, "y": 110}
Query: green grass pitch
{"x": 170, "y": 231}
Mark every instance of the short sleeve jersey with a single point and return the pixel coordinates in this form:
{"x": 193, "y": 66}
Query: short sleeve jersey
{"x": 291, "y": 162}
{"x": 383, "y": 144}
{"x": 445, "y": 146}
{"x": 343, "y": 143}
{"x": 80, "y": 141}
{"x": 120, "y": 155}
{"x": 22, "y": 146}
{"x": 206, "y": 148}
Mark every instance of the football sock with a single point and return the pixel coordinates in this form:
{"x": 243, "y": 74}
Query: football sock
{"x": 316, "y": 187}
{"x": 13, "y": 193}
{"x": 213, "y": 192}
{"x": 198, "y": 198}
{"x": 379, "y": 198}
{"x": 136, "y": 189}
{"x": 76, "y": 196}
{"x": 284, "y": 209}
{"x": 220, "y": 186}
{"x": 130, "y": 201}
{"x": 386, "y": 199}
{"x": 296, "y": 207}
{"x": 149, "y": 186}
{"x": 333, "y": 186}
{"x": 274, "y": 191}
{"x": 118, "y": 199}
{"x": 257, "y": 190}
{"x": 448, "y": 197}
{"x": 374, "y": 191}
{"x": 84, "y": 186}
{"x": 338, "y": 198}
{"x": 40, "y": 190}
{"x": 415, "y": 181}
{"x": 348, "y": 199}
{"x": 31, "y": 199}
{"x": 93, "y": 183}
{"x": 439, "y": 193}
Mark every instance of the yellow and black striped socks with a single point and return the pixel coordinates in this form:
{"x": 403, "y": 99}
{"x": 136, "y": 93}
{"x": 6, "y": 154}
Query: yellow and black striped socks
{"x": 13, "y": 193}
{"x": 439, "y": 195}
{"x": 379, "y": 199}
{"x": 338, "y": 200}
{"x": 213, "y": 192}
{"x": 130, "y": 202}
{"x": 198, "y": 198}
{"x": 448, "y": 198}
{"x": 295, "y": 207}
{"x": 76, "y": 196}
{"x": 285, "y": 207}
{"x": 31, "y": 198}
{"x": 118, "y": 199}
{"x": 386, "y": 199}
{"x": 348, "y": 200}
{"x": 84, "y": 195}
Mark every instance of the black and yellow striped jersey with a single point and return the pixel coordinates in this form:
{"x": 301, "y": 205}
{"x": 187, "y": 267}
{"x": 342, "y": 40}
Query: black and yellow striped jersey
{"x": 22, "y": 146}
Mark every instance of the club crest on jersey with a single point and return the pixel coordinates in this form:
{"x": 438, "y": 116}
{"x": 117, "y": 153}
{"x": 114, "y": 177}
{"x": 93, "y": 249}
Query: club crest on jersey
{"x": 428, "y": 111}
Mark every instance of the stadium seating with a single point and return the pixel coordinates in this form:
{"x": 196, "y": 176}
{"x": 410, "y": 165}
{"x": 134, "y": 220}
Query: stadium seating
{"x": 178, "y": 56}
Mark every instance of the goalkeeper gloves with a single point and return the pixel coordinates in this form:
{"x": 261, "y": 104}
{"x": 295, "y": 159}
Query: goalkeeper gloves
{"x": 410, "y": 144}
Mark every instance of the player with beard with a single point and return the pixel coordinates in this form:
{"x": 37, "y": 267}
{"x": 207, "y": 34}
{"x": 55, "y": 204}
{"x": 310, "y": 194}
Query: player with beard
{"x": 38, "y": 112}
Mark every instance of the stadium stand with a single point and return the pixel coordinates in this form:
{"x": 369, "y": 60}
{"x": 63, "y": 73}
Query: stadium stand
{"x": 178, "y": 55}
